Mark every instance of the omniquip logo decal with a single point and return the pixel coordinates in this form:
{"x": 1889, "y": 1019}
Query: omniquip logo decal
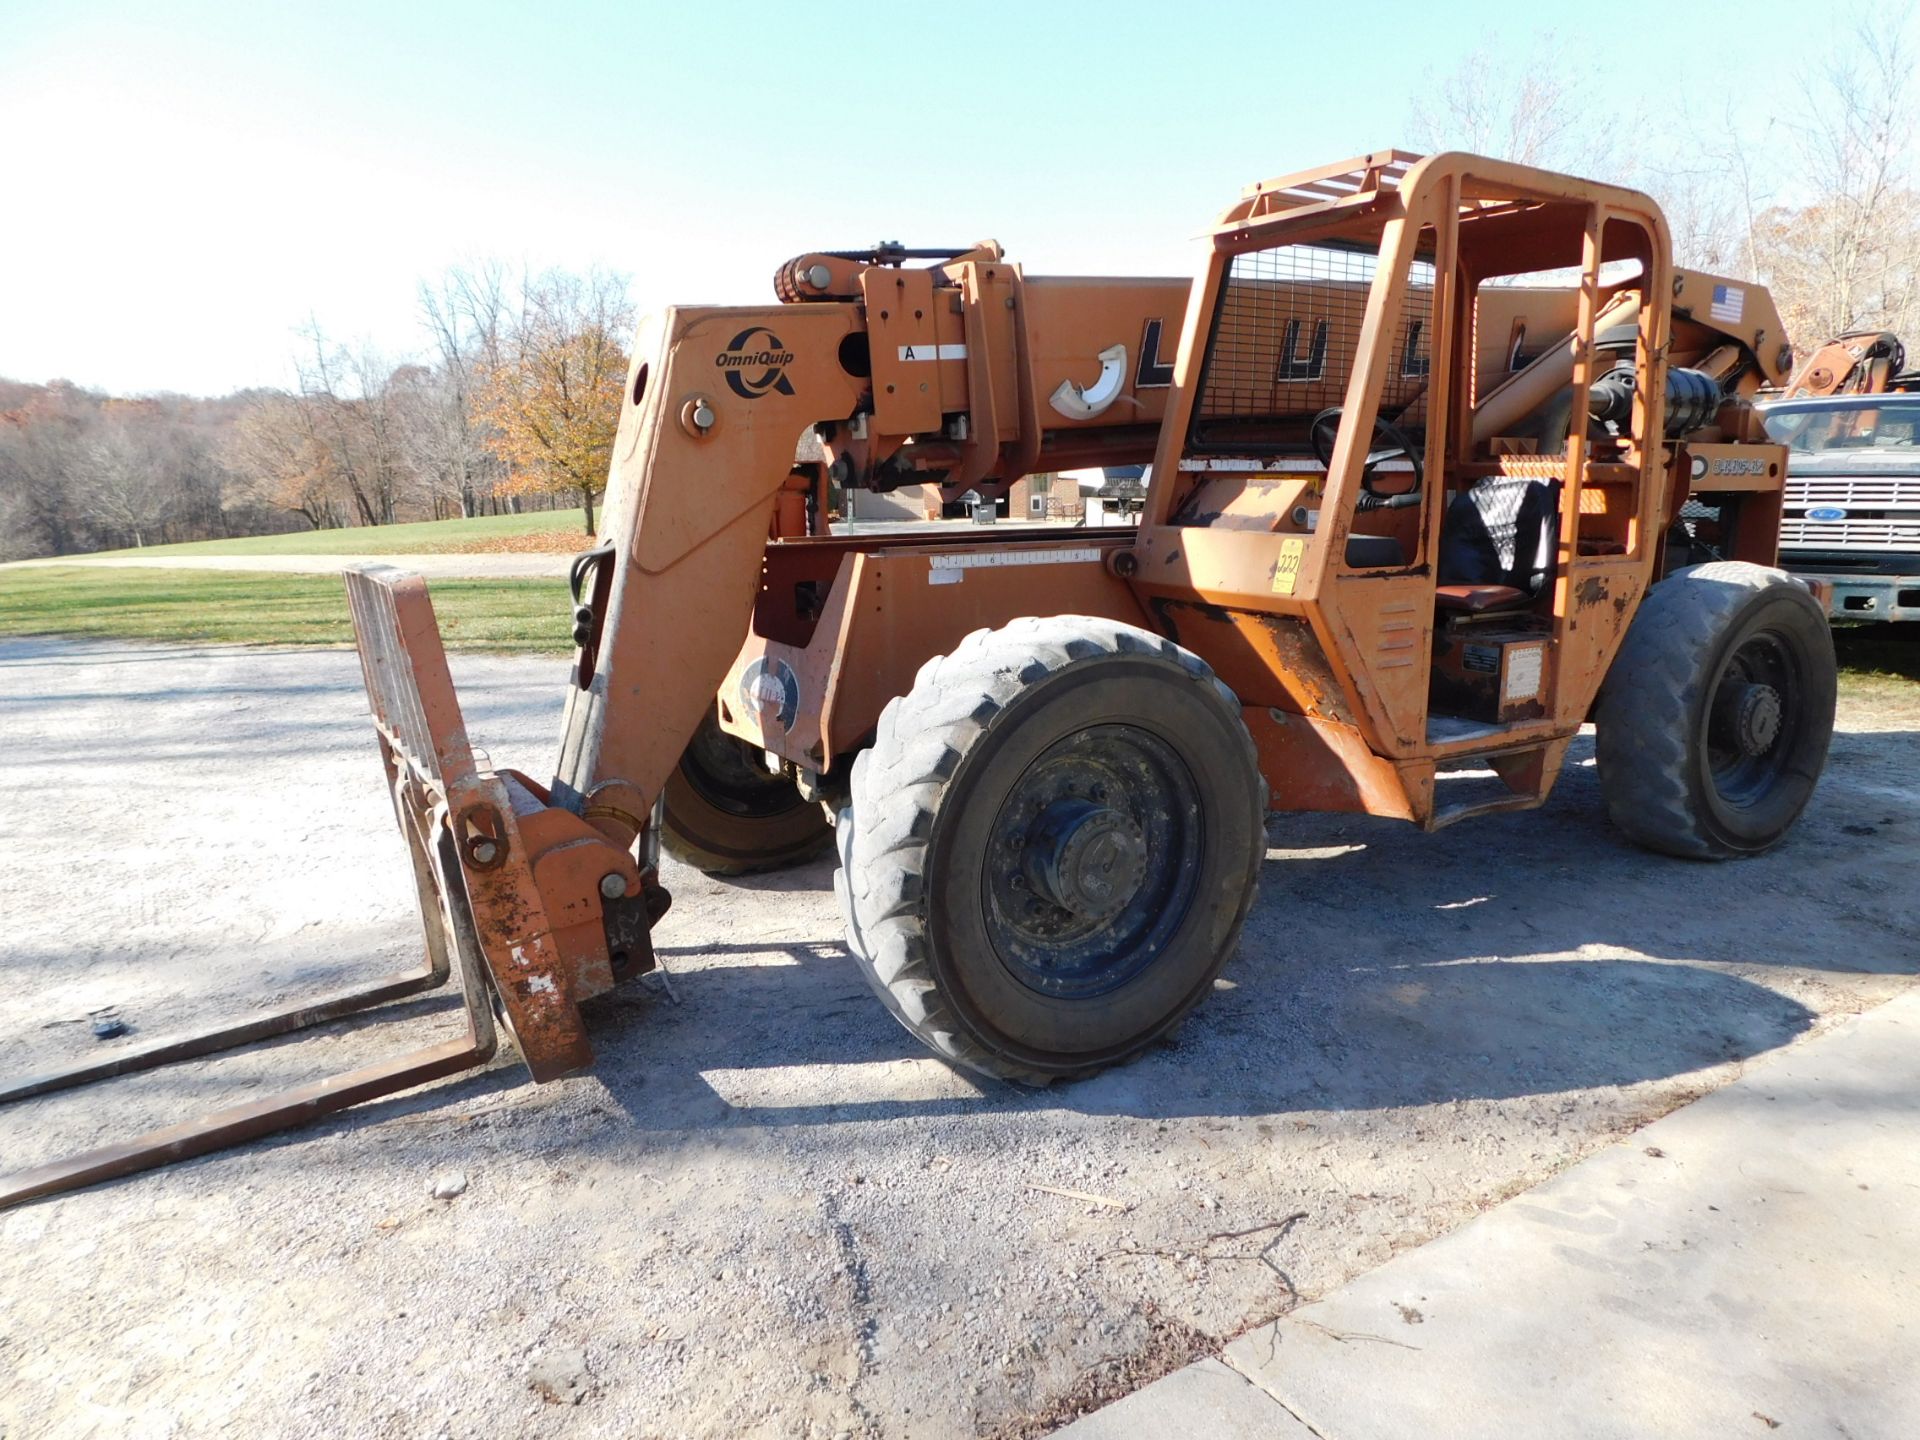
{"x": 755, "y": 362}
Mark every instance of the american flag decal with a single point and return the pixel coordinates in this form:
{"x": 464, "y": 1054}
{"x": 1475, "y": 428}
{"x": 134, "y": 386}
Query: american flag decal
{"x": 1728, "y": 303}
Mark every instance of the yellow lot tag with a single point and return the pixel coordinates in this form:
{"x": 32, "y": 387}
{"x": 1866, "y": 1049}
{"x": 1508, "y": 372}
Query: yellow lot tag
{"x": 1288, "y": 570}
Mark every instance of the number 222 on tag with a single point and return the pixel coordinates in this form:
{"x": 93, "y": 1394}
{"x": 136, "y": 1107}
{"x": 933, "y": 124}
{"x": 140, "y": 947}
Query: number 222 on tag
{"x": 1288, "y": 570}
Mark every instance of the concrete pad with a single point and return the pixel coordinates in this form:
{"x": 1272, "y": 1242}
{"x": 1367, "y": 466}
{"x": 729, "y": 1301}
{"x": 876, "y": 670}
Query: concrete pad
{"x": 1748, "y": 1262}
{"x": 1203, "y": 1400}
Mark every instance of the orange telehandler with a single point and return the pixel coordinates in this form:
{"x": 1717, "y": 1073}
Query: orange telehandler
{"x": 1420, "y": 434}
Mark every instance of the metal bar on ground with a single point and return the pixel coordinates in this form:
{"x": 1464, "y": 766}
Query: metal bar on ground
{"x": 439, "y": 878}
{"x": 247, "y": 1122}
{"x": 226, "y": 1037}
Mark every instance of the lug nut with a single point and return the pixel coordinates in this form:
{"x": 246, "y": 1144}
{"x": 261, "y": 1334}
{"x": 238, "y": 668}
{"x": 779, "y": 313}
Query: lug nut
{"x": 614, "y": 886}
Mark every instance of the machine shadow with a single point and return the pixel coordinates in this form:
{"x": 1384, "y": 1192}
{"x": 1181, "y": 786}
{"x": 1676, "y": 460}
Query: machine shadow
{"x": 1365, "y": 1038}
{"x": 1380, "y": 967}
{"x": 1285, "y": 1032}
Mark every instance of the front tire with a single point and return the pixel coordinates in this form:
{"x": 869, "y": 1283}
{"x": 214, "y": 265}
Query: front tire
{"x": 1715, "y": 719}
{"x": 726, "y": 814}
{"x": 1052, "y": 846}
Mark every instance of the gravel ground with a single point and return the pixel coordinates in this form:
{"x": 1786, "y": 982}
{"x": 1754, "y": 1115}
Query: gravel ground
{"x": 767, "y": 1212}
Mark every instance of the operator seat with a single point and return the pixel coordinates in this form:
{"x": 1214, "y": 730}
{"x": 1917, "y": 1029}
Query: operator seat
{"x": 1375, "y": 552}
{"x": 1498, "y": 541}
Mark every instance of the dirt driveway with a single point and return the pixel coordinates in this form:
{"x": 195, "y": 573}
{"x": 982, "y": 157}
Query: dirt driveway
{"x": 767, "y": 1212}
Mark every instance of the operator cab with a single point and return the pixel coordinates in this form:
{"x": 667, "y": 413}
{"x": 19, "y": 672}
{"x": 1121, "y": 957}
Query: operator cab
{"x": 1389, "y": 361}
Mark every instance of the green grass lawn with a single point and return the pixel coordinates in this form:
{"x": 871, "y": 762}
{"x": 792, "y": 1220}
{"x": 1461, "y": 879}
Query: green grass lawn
{"x": 239, "y": 608}
{"x": 1879, "y": 663}
{"x": 428, "y": 537}
{"x": 1887, "y": 652}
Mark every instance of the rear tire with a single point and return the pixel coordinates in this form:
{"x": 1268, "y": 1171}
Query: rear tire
{"x": 727, "y": 815}
{"x": 1715, "y": 718}
{"x": 1052, "y": 846}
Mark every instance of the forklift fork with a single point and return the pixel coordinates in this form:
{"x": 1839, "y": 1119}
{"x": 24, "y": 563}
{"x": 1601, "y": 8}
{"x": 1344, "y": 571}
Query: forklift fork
{"x": 240, "y": 1123}
{"x": 432, "y": 974}
{"x": 525, "y": 950}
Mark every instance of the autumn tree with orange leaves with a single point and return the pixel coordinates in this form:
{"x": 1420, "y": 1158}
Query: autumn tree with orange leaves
{"x": 550, "y": 402}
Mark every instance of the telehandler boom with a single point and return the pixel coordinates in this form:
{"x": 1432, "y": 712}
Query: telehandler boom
{"x": 1859, "y": 362}
{"x": 1420, "y": 435}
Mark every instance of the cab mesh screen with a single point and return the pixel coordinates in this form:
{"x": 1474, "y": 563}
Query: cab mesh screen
{"x": 1284, "y": 341}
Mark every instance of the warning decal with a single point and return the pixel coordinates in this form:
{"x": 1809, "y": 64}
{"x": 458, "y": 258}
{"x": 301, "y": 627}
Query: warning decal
{"x": 1526, "y": 665}
{"x": 951, "y": 569}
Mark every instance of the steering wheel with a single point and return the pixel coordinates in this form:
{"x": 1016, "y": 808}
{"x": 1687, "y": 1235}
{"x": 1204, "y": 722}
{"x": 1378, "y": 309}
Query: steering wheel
{"x": 1325, "y": 429}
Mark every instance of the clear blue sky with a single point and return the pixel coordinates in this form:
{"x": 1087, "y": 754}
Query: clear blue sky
{"x": 186, "y": 182}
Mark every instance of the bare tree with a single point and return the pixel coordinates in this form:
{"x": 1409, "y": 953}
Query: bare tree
{"x": 1537, "y": 107}
{"x": 287, "y": 463}
{"x": 39, "y": 441}
{"x": 350, "y": 407}
{"x": 1846, "y": 254}
{"x": 120, "y": 488}
{"x": 16, "y": 526}
{"x": 464, "y": 313}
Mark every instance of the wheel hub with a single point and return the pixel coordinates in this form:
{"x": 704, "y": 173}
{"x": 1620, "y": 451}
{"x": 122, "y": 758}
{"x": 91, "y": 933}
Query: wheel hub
{"x": 1092, "y": 861}
{"x": 1086, "y": 858}
{"x": 1750, "y": 716}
